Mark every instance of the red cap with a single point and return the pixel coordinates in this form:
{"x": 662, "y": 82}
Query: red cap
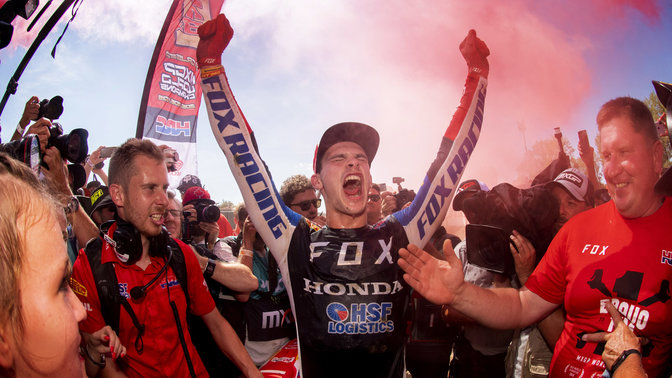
{"x": 195, "y": 193}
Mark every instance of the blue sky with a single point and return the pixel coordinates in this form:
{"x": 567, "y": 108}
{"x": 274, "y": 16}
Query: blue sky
{"x": 299, "y": 66}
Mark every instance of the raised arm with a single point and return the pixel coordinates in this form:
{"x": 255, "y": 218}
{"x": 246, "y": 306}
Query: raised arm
{"x": 430, "y": 205}
{"x": 271, "y": 217}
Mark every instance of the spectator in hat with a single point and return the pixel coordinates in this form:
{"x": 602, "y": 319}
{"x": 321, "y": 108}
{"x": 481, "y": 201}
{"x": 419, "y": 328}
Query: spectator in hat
{"x": 102, "y": 209}
{"x": 465, "y": 192}
{"x": 198, "y": 231}
{"x": 298, "y": 193}
{"x": 187, "y": 182}
{"x": 574, "y": 192}
{"x": 229, "y": 282}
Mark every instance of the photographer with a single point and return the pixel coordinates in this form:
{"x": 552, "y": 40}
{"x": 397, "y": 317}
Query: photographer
{"x": 224, "y": 280}
{"x": 479, "y": 351}
{"x": 393, "y": 202}
{"x": 39, "y": 111}
{"x": 200, "y": 219}
{"x": 30, "y": 112}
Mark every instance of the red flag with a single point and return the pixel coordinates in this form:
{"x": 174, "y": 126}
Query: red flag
{"x": 172, "y": 94}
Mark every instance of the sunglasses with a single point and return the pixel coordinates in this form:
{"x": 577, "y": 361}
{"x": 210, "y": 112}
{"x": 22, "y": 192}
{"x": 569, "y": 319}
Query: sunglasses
{"x": 374, "y": 197}
{"x": 305, "y": 205}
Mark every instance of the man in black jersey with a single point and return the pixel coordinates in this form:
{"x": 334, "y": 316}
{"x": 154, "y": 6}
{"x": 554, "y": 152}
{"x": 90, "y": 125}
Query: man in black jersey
{"x": 346, "y": 290}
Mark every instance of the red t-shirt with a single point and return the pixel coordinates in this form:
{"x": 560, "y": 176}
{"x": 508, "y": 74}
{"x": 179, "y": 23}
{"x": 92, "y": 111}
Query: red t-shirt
{"x": 599, "y": 256}
{"x": 162, "y": 354}
{"x": 224, "y": 227}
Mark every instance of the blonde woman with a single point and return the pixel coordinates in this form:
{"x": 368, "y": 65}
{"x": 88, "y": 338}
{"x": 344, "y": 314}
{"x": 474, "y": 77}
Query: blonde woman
{"x": 39, "y": 312}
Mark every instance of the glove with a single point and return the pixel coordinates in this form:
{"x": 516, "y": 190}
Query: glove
{"x": 475, "y": 53}
{"x": 215, "y": 36}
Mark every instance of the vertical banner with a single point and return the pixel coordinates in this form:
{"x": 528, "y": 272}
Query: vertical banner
{"x": 172, "y": 94}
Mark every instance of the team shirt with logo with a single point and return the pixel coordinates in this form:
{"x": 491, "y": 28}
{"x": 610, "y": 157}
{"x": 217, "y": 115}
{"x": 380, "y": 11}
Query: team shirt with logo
{"x": 162, "y": 354}
{"x": 600, "y": 256}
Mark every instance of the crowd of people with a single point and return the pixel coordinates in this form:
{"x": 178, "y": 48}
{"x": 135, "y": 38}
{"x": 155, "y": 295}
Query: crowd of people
{"x": 126, "y": 277}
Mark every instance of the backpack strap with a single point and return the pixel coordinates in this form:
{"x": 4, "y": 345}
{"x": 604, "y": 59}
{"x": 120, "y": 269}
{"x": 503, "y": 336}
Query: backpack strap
{"x": 179, "y": 266}
{"x": 108, "y": 291}
{"x": 106, "y": 283}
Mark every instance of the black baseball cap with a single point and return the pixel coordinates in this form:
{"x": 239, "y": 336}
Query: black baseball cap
{"x": 364, "y": 135}
{"x": 187, "y": 182}
{"x": 468, "y": 186}
{"x": 99, "y": 198}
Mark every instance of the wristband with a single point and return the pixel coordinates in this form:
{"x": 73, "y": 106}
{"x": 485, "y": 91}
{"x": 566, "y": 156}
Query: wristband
{"x": 475, "y": 70}
{"x": 88, "y": 162}
{"x": 209, "y": 269}
{"x": 210, "y": 71}
{"x": 246, "y": 252}
{"x": 20, "y": 129}
{"x": 622, "y": 358}
{"x": 88, "y": 355}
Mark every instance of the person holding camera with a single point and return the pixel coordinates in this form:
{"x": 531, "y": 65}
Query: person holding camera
{"x": 200, "y": 219}
{"x": 531, "y": 351}
{"x": 479, "y": 351}
{"x": 141, "y": 282}
{"x": 344, "y": 285}
{"x": 95, "y": 162}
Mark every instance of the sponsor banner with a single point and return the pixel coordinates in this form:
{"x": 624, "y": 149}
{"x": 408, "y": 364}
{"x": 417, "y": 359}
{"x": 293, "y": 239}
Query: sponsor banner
{"x": 172, "y": 94}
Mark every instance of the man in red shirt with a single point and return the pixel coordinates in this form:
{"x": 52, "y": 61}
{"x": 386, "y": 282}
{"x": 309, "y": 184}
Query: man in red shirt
{"x": 616, "y": 253}
{"x": 138, "y": 184}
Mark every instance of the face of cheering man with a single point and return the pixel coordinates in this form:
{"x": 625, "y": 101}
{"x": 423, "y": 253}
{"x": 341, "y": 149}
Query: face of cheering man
{"x": 344, "y": 180}
{"x": 632, "y": 165}
{"x": 144, "y": 201}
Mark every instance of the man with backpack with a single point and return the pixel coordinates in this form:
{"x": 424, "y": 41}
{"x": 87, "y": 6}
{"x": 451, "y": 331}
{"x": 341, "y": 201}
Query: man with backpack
{"x": 140, "y": 282}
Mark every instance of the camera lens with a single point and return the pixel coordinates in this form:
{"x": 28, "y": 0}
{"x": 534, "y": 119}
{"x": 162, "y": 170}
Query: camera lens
{"x": 210, "y": 213}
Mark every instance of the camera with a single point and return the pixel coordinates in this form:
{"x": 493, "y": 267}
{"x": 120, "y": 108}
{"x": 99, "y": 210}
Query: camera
{"x": 26, "y": 150}
{"x": 51, "y": 109}
{"x": 403, "y": 196}
{"x": 205, "y": 212}
{"x": 72, "y": 146}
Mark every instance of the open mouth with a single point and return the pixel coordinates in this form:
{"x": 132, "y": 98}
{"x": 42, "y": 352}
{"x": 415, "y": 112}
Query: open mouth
{"x": 352, "y": 185}
{"x": 157, "y": 218}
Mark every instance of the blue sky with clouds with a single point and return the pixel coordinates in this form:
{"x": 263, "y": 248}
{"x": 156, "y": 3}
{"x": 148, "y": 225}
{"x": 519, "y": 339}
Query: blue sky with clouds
{"x": 299, "y": 66}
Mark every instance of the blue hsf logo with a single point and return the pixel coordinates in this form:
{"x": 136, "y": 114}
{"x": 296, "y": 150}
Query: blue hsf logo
{"x": 364, "y": 318}
{"x": 666, "y": 257}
